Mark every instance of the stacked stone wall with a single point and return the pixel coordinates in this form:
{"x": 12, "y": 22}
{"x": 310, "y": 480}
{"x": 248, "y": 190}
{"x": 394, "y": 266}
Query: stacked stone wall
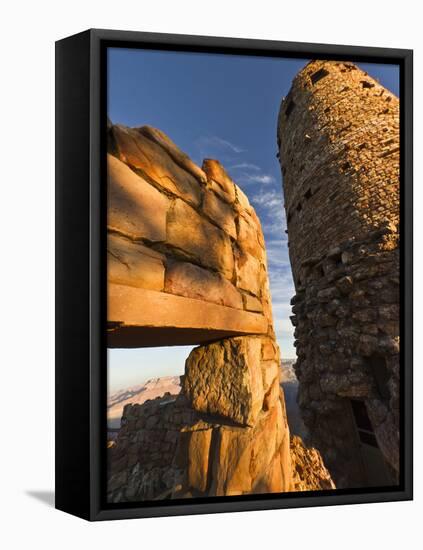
{"x": 179, "y": 229}
{"x": 343, "y": 321}
{"x": 338, "y": 137}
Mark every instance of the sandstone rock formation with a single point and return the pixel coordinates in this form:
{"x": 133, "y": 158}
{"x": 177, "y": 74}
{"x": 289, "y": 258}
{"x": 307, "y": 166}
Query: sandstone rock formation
{"x": 309, "y": 472}
{"x": 338, "y": 137}
{"x": 187, "y": 265}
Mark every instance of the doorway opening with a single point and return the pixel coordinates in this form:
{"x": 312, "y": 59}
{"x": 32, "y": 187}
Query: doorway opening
{"x": 381, "y": 375}
{"x": 374, "y": 465}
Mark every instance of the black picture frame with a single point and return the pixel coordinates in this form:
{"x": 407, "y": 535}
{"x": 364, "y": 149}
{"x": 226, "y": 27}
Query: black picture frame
{"x": 81, "y": 274}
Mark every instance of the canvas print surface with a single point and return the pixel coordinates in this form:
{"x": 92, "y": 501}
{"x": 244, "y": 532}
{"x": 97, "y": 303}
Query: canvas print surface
{"x": 253, "y": 275}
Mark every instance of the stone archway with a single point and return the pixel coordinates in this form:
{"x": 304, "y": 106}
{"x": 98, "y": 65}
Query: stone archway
{"x": 187, "y": 265}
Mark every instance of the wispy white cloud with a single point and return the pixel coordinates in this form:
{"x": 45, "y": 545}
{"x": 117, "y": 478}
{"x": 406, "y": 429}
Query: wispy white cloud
{"x": 244, "y": 173}
{"x": 277, "y": 243}
{"x": 282, "y": 290}
{"x": 268, "y": 197}
{"x": 285, "y": 337}
{"x": 215, "y": 142}
{"x": 277, "y": 260}
{"x": 246, "y": 179}
{"x": 274, "y": 229}
{"x": 284, "y": 327}
{"x": 271, "y": 201}
{"x": 245, "y": 166}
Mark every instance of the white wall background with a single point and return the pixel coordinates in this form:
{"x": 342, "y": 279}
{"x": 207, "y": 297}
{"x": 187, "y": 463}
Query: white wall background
{"x": 27, "y": 37}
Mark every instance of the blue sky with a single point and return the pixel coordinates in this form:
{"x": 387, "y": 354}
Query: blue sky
{"x": 223, "y": 107}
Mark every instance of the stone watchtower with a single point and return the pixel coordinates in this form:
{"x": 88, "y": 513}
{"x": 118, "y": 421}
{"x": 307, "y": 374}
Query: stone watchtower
{"x": 338, "y": 140}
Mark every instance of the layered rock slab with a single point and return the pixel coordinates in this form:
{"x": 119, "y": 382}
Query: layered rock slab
{"x": 143, "y": 318}
{"x": 189, "y": 231}
{"x": 133, "y": 264}
{"x": 135, "y": 208}
{"x": 150, "y": 158}
{"x": 189, "y": 280}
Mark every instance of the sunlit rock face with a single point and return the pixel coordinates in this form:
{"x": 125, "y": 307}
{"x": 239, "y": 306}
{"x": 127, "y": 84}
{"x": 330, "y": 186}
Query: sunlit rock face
{"x": 338, "y": 139}
{"x": 187, "y": 265}
{"x": 186, "y": 254}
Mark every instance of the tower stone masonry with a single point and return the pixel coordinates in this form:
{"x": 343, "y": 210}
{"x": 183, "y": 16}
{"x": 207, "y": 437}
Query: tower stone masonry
{"x": 338, "y": 141}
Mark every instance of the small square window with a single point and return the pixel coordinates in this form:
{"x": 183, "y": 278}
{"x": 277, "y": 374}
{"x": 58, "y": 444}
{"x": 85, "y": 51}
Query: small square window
{"x": 321, "y": 73}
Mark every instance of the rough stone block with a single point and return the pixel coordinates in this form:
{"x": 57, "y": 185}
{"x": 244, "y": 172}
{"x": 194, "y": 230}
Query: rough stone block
{"x": 219, "y": 180}
{"x": 248, "y": 236}
{"x": 327, "y": 294}
{"x": 225, "y": 378}
{"x": 131, "y": 263}
{"x": 181, "y": 158}
{"x": 135, "y": 207}
{"x": 198, "y": 237}
{"x": 243, "y": 456}
{"x": 248, "y": 273}
{"x": 270, "y": 371}
{"x": 186, "y": 279}
{"x": 198, "y": 459}
{"x": 345, "y": 284}
{"x": 272, "y": 395}
{"x": 252, "y": 216}
{"x": 146, "y": 155}
{"x": 216, "y": 188}
{"x": 252, "y": 304}
{"x": 277, "y": 477}
{"x": 231, "y": 463}
{"x": 220, "y": 212}
{"x": 364, "y": 316}
{"x": 242, "y": 200}
{"x": 269, "y": 349}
